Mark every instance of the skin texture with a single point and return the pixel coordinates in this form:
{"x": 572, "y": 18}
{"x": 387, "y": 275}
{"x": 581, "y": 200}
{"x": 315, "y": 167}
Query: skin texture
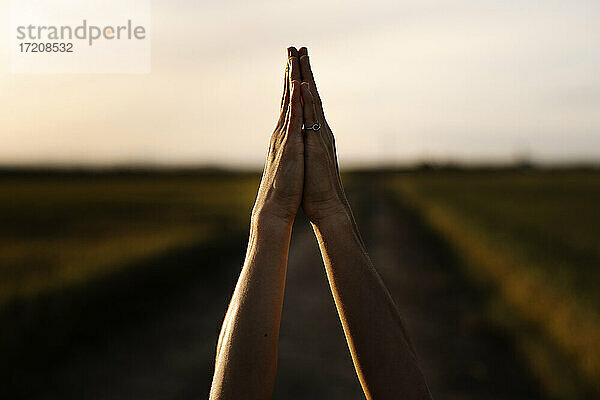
{"x": 246, "y": 358}
{"x": 383, "y": 357}
{"x": 302, "y": 170}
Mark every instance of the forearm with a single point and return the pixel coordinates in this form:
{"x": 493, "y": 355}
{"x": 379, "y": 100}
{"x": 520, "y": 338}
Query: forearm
{"x": 381, "y": 352}
{"x": 247, "y": 349}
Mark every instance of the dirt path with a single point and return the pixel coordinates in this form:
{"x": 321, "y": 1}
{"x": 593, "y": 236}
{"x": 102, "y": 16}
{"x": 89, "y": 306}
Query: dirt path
{"x": 171, "y": 357}
{"x": 314, "y": 362}
{"x": 462, "y": 357}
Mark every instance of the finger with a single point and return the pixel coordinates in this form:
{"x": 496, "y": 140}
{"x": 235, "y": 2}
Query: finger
{"x": 285, "y": 98}
{"x": 306, "y": 72}
{"x": 310, "y": 111}
{"x": 280, "y": 133}
{"x": 316, "y": 149}
{"x": 323, "y": 139}
{"x": 307, "y": 76}
{"x": 294, "y": 69}
{"x": 286, "y": 84}
{"x": 312, "y": 116}
{"x": 287, "y": 114}
{"x": 295, "y": 118}
{"x": 292, "y": 52}
{"x": 286, "y": 94}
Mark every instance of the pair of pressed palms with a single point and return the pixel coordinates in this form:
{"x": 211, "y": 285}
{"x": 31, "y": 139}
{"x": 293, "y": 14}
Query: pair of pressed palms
{"x": 301, "y": 170}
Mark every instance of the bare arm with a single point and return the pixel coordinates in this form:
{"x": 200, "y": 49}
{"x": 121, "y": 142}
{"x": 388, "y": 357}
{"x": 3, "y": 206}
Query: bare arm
{"x": 383, "y": 358}
{"x": 246, "y": 359}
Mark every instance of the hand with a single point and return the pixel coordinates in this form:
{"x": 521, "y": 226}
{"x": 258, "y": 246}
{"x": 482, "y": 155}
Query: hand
{"x": 280, "y": 191}
{"x": 323, "y": 191}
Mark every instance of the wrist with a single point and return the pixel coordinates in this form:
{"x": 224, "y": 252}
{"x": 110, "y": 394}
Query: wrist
{"x": 269, "y": 233}
{"x": 262, "y": 219}
{"x": 338, "y": 218}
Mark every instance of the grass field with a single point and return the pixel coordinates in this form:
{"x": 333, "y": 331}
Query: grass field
{"x": 533, "y": 240}
{"x": 82, "y": 253}
{"x": 59, "y": 231}
{"x": 76, "y": 247}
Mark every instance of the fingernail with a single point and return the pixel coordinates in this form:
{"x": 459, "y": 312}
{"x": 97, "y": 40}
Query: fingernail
{"x": 303, "y": 50}
{"x": 292, "y": 51}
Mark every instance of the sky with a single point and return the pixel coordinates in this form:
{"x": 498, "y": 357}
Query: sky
{"x": 401, "y": 82}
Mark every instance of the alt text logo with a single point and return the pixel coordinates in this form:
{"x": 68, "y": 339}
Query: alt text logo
{"x": 69, "y": 36}
{"x": 85, "y": 31}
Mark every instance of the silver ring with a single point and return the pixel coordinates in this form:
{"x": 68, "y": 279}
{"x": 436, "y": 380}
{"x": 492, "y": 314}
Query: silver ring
{"x": 315, "y": 127}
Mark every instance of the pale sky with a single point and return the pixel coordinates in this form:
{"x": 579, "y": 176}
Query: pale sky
{"x": 401, "y": 81}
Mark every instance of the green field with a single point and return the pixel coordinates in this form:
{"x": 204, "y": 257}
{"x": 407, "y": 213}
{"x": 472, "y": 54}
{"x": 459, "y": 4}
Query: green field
{"x": 76, "y": 247}
{"x": 532, "y": 239}
{"x": 58, "y": 232}
{"x": 83, "y": 251}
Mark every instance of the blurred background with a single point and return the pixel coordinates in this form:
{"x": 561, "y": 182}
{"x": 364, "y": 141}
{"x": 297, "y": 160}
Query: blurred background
{"x": 469, "y": 137}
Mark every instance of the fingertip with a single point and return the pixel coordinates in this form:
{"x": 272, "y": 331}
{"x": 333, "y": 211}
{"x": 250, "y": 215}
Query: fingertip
{"x": 305, "y": 65}
{"x": 303, "y": 51}
{"x": 292, "y": 52}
